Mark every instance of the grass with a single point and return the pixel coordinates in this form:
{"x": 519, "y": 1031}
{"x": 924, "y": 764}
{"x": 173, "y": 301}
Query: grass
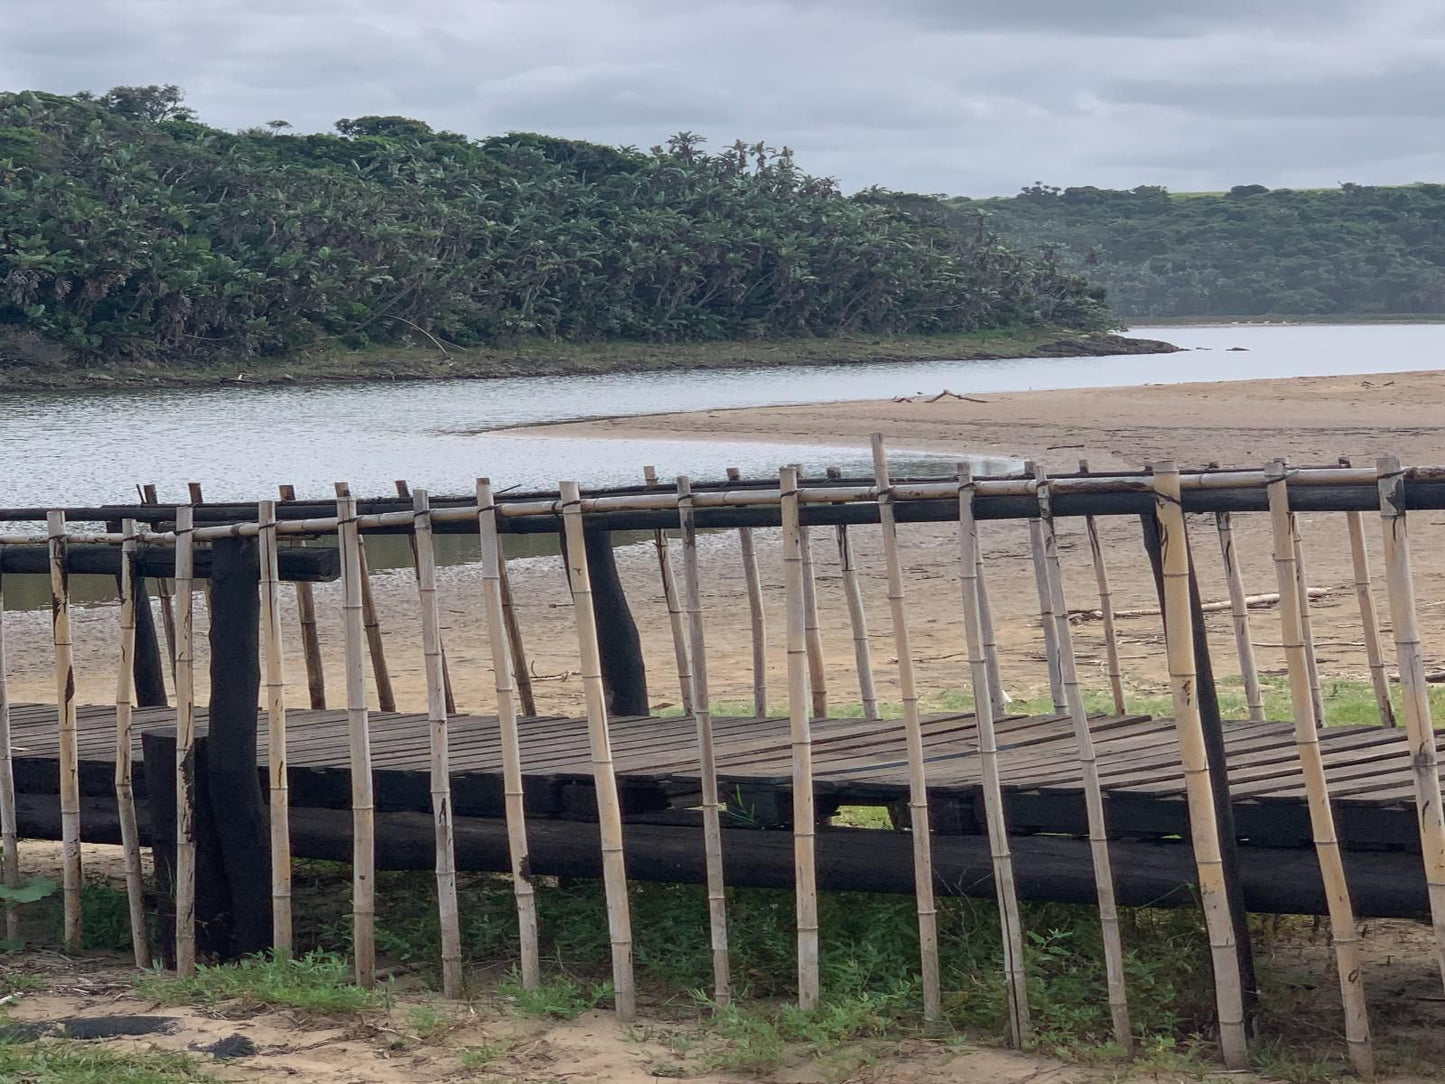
{"x": 319, "y": 982}
{"x": 54, "y": 1061}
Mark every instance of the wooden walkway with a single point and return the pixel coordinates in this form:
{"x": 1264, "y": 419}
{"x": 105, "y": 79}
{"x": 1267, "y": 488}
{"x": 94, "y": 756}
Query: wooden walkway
{"x": 856, "y": 762}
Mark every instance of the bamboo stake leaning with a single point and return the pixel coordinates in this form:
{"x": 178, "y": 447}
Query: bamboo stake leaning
{"x": 306, "y": 618}
{"x": 371, "y": 623}
{"x": 1317, "y": 699}
{"x": 1046, "y": 613}
{"x": 753, "y": 584}
{"x": 69, "y": 751}
{"x": 985, "y": 712}
{"x": 1203, "y": 826}
{"x": 801, "y": 739}
{"x": 363, "y": 806}
{"x": 125, "y": 752}
{"x": 674, "y": 608}
{"x": 913, "y": 739}
{"x": 1000, "y": 699}
{"x": 9, "y": 829}
{"x": 149, "y": 495}
{"x": 441, "y": 777}
{"x": 185, "y": 742}
{"x": 1414, "y": 693}
{"x": 707, "y": 765}
{"x": 1089, "y": 766}
{"x": 275, "y": 684}
{"x": 1369, "y": 617}
{"x": 522, "y": 675}
{"x": 1106, "y": 608}
{"x": 817, "y": 677}
{"x": 609, "y": 810}
{"x": 514, "y": 808}
{"x": 1239, "y": 612}
{"x": 403, "y": 490}
{"x": 1343, "y": 931}
{"x": 858, "y": 620}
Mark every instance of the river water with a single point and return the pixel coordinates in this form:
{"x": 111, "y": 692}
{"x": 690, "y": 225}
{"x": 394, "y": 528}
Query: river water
{"x": 240, "y": 441}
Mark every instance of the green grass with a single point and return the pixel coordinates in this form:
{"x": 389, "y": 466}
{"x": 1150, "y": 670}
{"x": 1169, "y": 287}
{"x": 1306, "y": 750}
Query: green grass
{"x": 319, "y": 982}
{"x": 558, "y": 997}
{"x": 52, "y": 1061}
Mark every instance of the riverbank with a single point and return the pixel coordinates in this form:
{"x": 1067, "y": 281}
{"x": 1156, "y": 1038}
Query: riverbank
{"x": 548, "y": 358}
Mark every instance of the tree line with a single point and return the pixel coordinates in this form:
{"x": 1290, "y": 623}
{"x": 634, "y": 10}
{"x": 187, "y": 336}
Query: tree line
{"x": 1251, "y": 251}
{"x": 130, "y": 230}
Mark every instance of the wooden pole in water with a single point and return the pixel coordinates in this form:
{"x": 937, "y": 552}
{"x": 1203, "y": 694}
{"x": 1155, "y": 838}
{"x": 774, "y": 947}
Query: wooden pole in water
{"x": 1046, "y": 613}
{"x": 512, "y": 791}
{"x": 403, "y": 490}
{"x": 363, "y": 806}
{"x": 1414, "y": 693}
{"x": 1306, "y": 624}
{"x": 1307, "y": 739}
{"x": 69, "y": 751}
{"x": 1239, "y": 612}
{"x": 1088, "y": 762}
{"x": 371, "y": 624}
{"x": 805, "y": 828}
{"x": 441, "y": 779}
{"x": 1203, "y": 825}
{"x": 275, "y": 682}
{"x": 125, "y": 752}
{"x": 1369, "y": 617}
{"x": 674, "y": 607}
{"x": 913, "y": 738}
{"x": 185, "y": 742}
{"x": 985, "y": 712}
{"x": 9, "y": 830}
{"x": 310, "y": 642}
{"x": 707, "y": 766}
{"x": 609, "y": 810}
{"x": 149, "y": 495}
{"x": 754, "y": 587}
{"x": 1106, "y": 609}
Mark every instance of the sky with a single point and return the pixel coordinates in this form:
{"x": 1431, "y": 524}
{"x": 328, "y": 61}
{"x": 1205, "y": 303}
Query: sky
{"x": 966, "y": 97}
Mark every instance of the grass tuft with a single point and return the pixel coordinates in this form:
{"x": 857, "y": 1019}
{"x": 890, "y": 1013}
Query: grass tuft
{"x": 319, "y": 982}
{"x": 53, "y": 1061}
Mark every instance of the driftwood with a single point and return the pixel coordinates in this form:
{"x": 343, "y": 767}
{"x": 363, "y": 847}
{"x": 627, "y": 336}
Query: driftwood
{"x": 1253, "y": 602}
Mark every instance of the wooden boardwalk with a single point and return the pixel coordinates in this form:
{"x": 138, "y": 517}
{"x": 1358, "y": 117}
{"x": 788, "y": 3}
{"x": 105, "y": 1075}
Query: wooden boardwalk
{"x": 856, "y": 762}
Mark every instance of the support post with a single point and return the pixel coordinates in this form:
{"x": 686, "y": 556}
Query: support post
{"x": 403, "y": 490}
{"x": 624, "y": 672}
{"x": 1239, "y": 613}
{"x": 125, "y": 752}
{"x": 9, "y": 831}
{"x": 674, "y": 608}
{"x": 1046, "y": 613}
{"x": 306, "y": 618}
{"x": 363, "y": 805}
{"x": 1317, "y": 698}
{"x": 1106, "y": 607}
{"x": 280, "y": 804}
{"x": 185, "y": 762}
{"x": 1369, "y": 618}
{"x": 753, "y": 585}
{"x": 69, "y": 749}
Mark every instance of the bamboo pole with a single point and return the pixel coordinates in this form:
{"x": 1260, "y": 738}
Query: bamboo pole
{"x": 707, "y": 765}
{"x": 913, "y": 738}
{"x": 522, "y": 675}
{"x": 1414, "y": 693}
{"x": 1203, "y": 825}
{"x": 1369, "y": 617}
{"x": 363, "y": 807}
{"x": 275, "y": 679}
{"x": 1239, "y": 612}
{"x": 1089, "y": 766}
{"x": 1046, "y": 614}
{"x": 674, "y": 607}
{"x": 1307, "y": 739}
{"x": 149, "y": 495}
{"x": 371, "y": 623}
{"x": 403, "y": 490}
{"x": 185, "y": 742}
{"x": 609, "y": 810}
{"x": 1106, "y": 608}
{"x": 125, "y": 752}
{"x": 1301, "y": 582}
{"x": 441, "y": 779}
{"x": 754, "y": 587}
{"x": 9, "y": 829}
{"x": 817, "y": 676}
{"x": 985, "y": 712}
{"x": 512, "y": 792}
{"x": 69, "y": 753}
{"x": 858, "y": 620}
{"x": 801, "y": 738}
{"x": 310, "y": 642}
{"x": 1000, "y": 699}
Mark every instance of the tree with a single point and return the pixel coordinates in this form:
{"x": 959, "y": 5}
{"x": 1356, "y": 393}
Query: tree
{"x": 152, "y": 103}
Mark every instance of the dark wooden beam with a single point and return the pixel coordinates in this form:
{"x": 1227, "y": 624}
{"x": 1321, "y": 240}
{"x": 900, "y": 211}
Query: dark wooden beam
{"x": 312, "y": 565}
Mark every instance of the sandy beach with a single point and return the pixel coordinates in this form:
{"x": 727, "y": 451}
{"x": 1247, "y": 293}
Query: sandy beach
{"x": 1311, "y": 420}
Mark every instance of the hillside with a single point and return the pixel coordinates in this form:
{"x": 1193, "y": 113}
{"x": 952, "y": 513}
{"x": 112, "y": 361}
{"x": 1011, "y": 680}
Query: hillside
{"x": 1352, "y": 251}
{"x": 131, "y": 232}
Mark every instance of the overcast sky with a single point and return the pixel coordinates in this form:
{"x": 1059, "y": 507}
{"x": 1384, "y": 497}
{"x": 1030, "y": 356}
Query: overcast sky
{"x": 962, "y": 96}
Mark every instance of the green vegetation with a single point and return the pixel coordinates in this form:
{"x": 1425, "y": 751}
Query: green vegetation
{"x": 53, "y": 1061}
{"x": 318, "y": 982}
{"x": 1357, "y": 250}
{"x": 133, "y": 233}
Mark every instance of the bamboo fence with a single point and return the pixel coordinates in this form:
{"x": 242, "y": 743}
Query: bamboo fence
{"x": 757, "y": 623}
{"x": 1369, "y": 617}
{"x": 125, "y": 753}
{"x": 1046, "y": 612}
{"x": 275, "y": 686}
{"x": 675, "y": 619}
{"x": 1106, "y": 606}
{"x": 306, "y": 619}
{"x": 403, "y": 490}
{"x": 1239, "y": 617}
{"x": 1317, "y": 699}
{"x": 185, "y": 869}
{"x": 9, "y": 830}
{"x": 69, "y": 754}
